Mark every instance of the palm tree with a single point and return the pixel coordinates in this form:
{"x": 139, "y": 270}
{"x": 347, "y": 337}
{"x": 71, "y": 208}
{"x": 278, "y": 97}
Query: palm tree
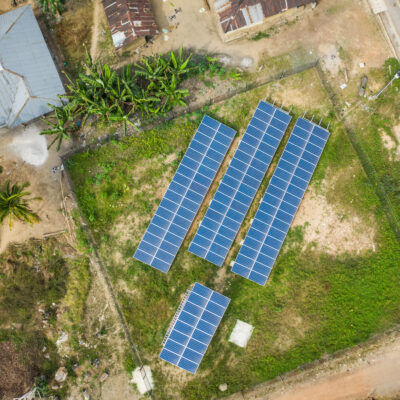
{"x": 14, "y": 206}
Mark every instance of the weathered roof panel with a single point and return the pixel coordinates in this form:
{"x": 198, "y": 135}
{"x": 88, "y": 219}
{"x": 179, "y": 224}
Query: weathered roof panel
{"x": 235, "y": 14}
{"x": 129, "y": 19}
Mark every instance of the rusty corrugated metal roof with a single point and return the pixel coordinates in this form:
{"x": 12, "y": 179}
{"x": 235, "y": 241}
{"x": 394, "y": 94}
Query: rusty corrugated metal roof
{"x": 129, "y": 19}
{"x": 235, "y": 14}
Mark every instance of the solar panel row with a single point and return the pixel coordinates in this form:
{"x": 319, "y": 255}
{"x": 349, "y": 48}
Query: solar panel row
{"x": 240, "y": 184}
{"x": 185, "y": 194}
{"x": 281, "y": 201}
{"x": 194, "y": 327}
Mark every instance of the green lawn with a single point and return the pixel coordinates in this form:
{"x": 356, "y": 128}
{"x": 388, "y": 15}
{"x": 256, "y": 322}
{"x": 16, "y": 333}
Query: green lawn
{"x": 314, "y": 303}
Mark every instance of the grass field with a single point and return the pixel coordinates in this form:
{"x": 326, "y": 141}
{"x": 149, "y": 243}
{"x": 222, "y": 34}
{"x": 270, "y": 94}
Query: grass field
{"x": 315, "y": 301}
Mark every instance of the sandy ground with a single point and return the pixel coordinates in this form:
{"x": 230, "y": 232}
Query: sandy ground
{"x": 5, "y": 5}
{"x": 392, "y": 144}
{"x": 332, "y": 26}
{"x": 332, "y": 232}
{"x": 370, "y": 371}
{"x": 19, "y": 148}
{"x": 98, "y": 16}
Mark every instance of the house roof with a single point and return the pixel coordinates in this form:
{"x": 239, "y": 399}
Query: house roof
{"x": 129, "y": 19}
{"x": 29, "y": 80}
{"x": 235, "y": 14}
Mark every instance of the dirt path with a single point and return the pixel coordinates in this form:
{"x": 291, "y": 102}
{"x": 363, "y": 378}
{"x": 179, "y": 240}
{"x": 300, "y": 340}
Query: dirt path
{"x": 371, "y": 370}
{"x": 95, "y": 28}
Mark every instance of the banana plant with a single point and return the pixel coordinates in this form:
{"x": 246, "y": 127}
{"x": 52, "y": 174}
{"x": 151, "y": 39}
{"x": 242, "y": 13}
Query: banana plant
{"x": 178, "y": 65}
{"x": 173, "y": 95}
{"x": 152, "y": 69}
{"x": 61, "y": 124}
{"x": 52, "y": 7}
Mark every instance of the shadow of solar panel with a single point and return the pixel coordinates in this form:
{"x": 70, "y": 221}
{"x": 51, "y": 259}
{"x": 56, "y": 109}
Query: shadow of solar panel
{"x": 193, "y": 327}
{"x": 185, "y": 194}
{"x": 281, "y": 200}
{"x": 240, "y": 183}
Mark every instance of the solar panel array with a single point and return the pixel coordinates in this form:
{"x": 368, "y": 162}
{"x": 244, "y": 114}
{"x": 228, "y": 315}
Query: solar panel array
{"x": 240, "y": 184}
{"x": 193, "y": 328}
{"x": 185, "y": 194}
{"x": 281, "y": 201}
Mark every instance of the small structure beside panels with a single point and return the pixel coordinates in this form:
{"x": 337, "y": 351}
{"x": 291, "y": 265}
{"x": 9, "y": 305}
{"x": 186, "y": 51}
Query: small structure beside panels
{"x": 281, "y": 201}
{"x": 193, "y": 327}
{"x": 185, "y": 194}
{"x": 240, "y": 183}
{"x": 241, "y": 333}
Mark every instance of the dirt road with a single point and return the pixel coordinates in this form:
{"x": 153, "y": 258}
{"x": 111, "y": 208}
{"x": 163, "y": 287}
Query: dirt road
{"x": 97, "y": 10}
{"x": 364, "y": 372}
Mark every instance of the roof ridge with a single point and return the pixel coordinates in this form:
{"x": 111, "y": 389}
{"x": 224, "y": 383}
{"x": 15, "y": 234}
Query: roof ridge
{"x": 17, "y": 17}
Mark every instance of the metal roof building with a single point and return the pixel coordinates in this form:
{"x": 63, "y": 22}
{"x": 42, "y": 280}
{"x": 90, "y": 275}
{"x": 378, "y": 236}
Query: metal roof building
{"x": 129, "y": 20}
{"x": 236, "y": 14}
{"x": 29, "y": 80}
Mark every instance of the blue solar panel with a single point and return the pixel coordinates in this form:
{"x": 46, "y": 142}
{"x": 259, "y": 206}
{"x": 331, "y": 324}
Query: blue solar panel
{"x": 185, "y": 194}
{"x": 243, "y": 177}
{"x": 193, "y": 327}
{"x": 281, "y": 201}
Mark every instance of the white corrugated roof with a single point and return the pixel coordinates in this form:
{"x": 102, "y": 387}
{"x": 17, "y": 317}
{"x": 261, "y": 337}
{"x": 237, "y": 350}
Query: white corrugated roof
{"x": 29, "y": 80}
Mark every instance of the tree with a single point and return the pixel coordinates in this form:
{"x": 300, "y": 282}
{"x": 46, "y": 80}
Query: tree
{"x": 14, "y": 205}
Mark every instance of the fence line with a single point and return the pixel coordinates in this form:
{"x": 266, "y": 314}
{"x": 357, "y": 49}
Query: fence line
{"x": 95, "y": 257}
{"x": 366, "y": 162}
{"x": 102, "y": 272}
{"x": 263, "y": 80}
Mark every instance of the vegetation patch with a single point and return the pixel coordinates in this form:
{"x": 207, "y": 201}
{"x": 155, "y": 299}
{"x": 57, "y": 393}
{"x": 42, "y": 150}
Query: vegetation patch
{"x": 73, "y": 32}
{"x": 38, "y": 281}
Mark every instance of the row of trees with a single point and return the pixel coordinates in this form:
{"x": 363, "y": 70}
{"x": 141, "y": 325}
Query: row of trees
{"x": 101, "y": 94}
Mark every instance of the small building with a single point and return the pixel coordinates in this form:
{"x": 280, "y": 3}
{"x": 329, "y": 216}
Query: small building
{"x": 236, "y": 15}
{"x": 29, "y": 80}
{"x": 130, "y": 20}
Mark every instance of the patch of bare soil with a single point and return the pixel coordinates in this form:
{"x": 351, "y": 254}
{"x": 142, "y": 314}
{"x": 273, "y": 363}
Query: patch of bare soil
{"x": 98, "y": 18}
{"x": 330, "y": 58}
{"x": 391, "y": 145}
{"x": 291, "y": 91}
{"x": 330, "y": 231}
{"x": 6, "y": 5}
{"x": 293, "y": 327}
{"x": 396, "y": 131}
{"x": 118, "y": 387}
{"x": 343, "y": 24}
{"x": 16, "y": 377}
{"x": 44, "y": 183}
{"x": 222, "y": 276}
